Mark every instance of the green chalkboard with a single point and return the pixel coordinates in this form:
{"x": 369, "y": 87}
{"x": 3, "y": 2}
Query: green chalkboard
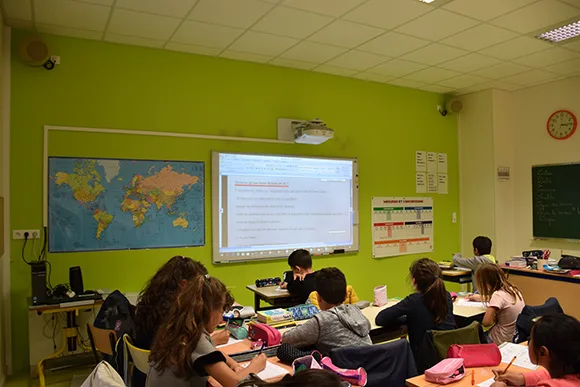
{"x": 556, "y": 201}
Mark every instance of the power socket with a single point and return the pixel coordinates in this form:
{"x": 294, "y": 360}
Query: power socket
{"x": 32, "y": 234}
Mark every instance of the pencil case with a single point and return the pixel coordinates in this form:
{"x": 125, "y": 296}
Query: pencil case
{"x": 303, "y": 312}
{"x": 237, "y": 329}
{"x": 265, "y": 333}
{"x": 446, "y": 371}
{"x": 476, "y": 355}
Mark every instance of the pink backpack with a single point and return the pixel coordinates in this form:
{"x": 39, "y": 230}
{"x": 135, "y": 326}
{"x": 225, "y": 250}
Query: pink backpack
{"x": 267, "y": 334}
{"x": 446, "y": 371}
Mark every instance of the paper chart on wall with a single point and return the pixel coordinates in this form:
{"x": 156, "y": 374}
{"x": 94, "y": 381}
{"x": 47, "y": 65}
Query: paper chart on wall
{"x": 432, "y": 182}
{"x": 432, "y": 162}
{"x": 442, "y": 186}
{"x": 442, "y": 162}
{"x": 401, "y": 225}
{"x": 420, "y": 182}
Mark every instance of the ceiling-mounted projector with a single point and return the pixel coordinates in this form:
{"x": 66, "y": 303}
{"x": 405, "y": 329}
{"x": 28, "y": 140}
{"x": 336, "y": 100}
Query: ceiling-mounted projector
{"x": 311, "y": 132}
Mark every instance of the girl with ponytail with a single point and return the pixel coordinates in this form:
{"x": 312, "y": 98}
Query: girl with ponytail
{"x": 183, "y": 353}
{"x": 430, "y": 308}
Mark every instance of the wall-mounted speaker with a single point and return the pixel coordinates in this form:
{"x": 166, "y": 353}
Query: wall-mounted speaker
{"x": 75, "y": 277}
{"x": 34, "y": 51}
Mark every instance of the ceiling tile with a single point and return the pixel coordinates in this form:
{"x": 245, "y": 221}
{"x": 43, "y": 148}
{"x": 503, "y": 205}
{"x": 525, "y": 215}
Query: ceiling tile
{"x": 575, "y": 3}
{"x": 17, "y": 9}
{"x": 72, "y": 14}
{"x": 357, "y": 60}
{"x": 571, "y": 67}
{"x": 516, "y": 48}
{"x": 432, "y": 75}
{"x": 393, "y": 44}
{"x": 192, "y": 49}
{"x": 485, "y": 10}
{"x": 207, "y": 35}
{"x": 263, "y": 44}
{"x": 334, "y": 70}
{"x": 100, "y": 2}
{"x": 387, "y": 14}
{"x": 437, "y": 25}
{"x": 501, "y": 70}
{"x": 345, "y": 34}
{"x": 462, "y": 81}
{"x": 574, "y": 45}
{"x": 312, "y": 52}
{"x": 372, "y": 77}
{"x": 407, "y": 83}
{"x": 469, "y": 63}
{"x": 245, "y": 56}
{"x": 133, "y": 41}
{"x": 437, "y": 89}
{"x": 175, "y": 8}
{"x": 233, "y": 13}
{"x": 333, "y": 8}
{"x": 21, "y": 24}
{"x": 291, "y": 22}
{"x": 142, "y": 25}
{"x": 530, "y": 77}
{"x": 396, "y": 68}
{"x": 296, "y": 64}
{"x": 536, "y": 16}
{"x": 547, "y": 57}
{"x": 496, "y": 85}
{"x": 479, "y": 37}
{"x": 434, "y": 54}
{"x": 66, "y": 31}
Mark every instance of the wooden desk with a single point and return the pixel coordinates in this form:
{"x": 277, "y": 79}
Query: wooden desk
{"x": 481, "y": 375}
{"x": 269, "y": 294}
{"x": 457, "y": 276}
{"x": 537, "y": 286}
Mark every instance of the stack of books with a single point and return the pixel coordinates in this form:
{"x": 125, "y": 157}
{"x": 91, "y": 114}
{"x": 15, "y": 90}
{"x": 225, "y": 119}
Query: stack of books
{"x": 275, "y": 316}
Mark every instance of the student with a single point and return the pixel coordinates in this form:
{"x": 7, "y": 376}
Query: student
{"x": 430, "y": 308}
{"x": 337, "y": 325}
{"x": 482, "y": 255}
{"x": 554, "y": 345}
{"x": 308, "y": 378}
{"x": 504, "y": 302}
{"x": 183, "y": 354}
{"x": 301, "y": 281}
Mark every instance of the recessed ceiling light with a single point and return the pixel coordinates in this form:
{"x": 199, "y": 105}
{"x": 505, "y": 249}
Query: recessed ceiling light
{"x": 427, "y": 1}
{"x": 562, "y": 33}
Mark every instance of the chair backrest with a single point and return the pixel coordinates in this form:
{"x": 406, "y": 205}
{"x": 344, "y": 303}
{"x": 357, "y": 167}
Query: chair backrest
{"x": 442, "y": 340}
{"x": 140, "y": 357}
{"x": 102, "y": 340}
{"x": 103, "y": 375}
{"x": 389, "y": 364}
{"x": 526, "y": 319}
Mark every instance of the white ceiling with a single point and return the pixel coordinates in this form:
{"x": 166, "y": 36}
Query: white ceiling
{"x": 447, "y": 46}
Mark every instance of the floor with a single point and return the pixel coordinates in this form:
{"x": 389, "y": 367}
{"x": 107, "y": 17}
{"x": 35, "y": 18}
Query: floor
{"x": 69, "y": 378}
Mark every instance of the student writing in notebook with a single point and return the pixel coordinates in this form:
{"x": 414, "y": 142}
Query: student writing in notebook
{"x": 301, "y": 281}
{"x": 554, "y": 345}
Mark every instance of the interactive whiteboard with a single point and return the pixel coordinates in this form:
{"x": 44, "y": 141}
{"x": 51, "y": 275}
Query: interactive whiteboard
{"x": 266, "y": 206}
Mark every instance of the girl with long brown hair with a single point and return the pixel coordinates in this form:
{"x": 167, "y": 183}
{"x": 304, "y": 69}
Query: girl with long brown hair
{"x": 183, "y": 354}
{"x": 504, "y": 302}
{"x": 430, "y": 308}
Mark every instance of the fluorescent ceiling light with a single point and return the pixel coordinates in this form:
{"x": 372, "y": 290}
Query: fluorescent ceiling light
{"x": 427, "y": 1}
{"x": 562, "y": 33}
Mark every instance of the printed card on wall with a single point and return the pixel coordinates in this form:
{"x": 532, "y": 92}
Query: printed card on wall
{"x": 442, "y": 184}
{"x": 442, "y": 162}
{"x": 432, "y": 183}
{"x": 421, "y": 161}
{"x": 421, "y": 182}
{"x": 401, "y": 225}
{"x": 432, "y": 162}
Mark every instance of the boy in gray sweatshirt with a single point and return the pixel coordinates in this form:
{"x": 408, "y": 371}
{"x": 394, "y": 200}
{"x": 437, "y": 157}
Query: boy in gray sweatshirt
{"x": 482, "y": 255}
{"x": 337, "y": 325}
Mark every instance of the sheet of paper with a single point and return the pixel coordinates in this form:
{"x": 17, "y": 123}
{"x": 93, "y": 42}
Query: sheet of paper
{"x": 509, "y": 350}
{"x": 474, "y": 304}
{"x": 442, "y": 183}
{"x": 231, "y": 341}
{"x": 487, "y": 383}
{"x": 432, "y": 182}
{"x": 421, "y": 182}
{"x": 432, "y": 162}
{"x": 421, "y": 161}
{"x": 271, "y": 371}
{"x": 279, "y": 289}
{"x": 442, "y": 162}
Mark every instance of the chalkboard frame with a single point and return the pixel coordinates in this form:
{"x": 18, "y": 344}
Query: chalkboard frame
{"x": 551, "y": 237}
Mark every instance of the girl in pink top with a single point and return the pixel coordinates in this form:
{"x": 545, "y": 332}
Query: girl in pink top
{"x": 554, "y": 345}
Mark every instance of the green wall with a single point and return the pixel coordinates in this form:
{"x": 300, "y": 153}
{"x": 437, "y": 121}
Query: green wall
{"x": 107, "y": 85}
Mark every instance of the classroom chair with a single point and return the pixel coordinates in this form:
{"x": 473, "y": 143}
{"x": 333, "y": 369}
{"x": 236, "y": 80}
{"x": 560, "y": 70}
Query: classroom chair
{"x": 351, "y": 297}
{"x": 139, "y": 358}
{"x": 389, "y": 364}
{"x": 530, "y": 314}
{"x": 102, "y": 341}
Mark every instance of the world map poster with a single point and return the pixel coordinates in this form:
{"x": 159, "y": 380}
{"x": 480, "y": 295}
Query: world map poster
{"x": 116, "y": 204}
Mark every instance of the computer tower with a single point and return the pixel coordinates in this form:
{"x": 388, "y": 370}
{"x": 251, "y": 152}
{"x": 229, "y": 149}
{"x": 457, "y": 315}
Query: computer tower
{"x": 75, "y": 278}
{"x": 38, "y": 270}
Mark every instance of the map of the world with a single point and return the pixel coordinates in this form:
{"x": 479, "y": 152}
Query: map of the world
{"x": 113, "y": 204}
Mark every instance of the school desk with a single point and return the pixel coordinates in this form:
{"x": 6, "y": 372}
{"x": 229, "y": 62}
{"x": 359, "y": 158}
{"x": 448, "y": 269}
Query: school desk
{"x": 273, "y": 295}
{"x": 70, "y": 332}
{"x": 537, "y": 286}
{"x": 457, "y": 276}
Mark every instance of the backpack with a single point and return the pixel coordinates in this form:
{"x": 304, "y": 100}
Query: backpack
{"x": 569, "y": 262}
{"x": 527, "y": 318}
{"x": 117, "y": 314}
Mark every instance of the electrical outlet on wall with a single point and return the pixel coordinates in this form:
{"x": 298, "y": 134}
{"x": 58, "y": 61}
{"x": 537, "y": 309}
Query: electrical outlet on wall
{"x": 32, "y": 234}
